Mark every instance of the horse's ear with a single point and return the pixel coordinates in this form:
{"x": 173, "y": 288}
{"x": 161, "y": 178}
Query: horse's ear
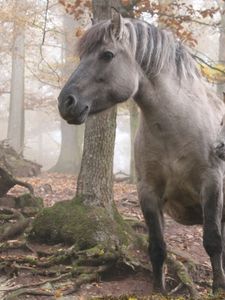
{"x": 117, "y": 24}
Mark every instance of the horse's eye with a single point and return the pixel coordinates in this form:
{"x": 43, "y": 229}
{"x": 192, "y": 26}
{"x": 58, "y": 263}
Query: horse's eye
{"x": 107, "y": 55}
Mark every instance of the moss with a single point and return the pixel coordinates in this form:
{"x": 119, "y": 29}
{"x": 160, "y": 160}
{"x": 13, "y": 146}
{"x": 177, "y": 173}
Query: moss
{"x": 28, "y": 200}
{"x": 72, "y": 222}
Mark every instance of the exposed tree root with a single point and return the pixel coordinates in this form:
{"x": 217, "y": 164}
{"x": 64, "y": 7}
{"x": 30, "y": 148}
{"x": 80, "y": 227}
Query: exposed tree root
{"x": 79, "y": 273}
{"x": 183, "y": 275}
{"x": 10, "y": 230}
{"x": 27, "y": 291}
{"x": 66, "y": 269}
{"x": 7, "y": 181}
{"x": 76, "y": 267}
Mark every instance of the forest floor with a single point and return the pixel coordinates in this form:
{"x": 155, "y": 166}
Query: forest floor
{"x": 183, "y": 240}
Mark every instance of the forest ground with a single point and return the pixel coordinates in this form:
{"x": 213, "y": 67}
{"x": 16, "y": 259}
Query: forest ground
{"x": 183, "y": 240}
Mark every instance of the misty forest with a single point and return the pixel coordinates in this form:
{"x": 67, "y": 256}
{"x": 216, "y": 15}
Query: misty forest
{"x": 71, "y": 223}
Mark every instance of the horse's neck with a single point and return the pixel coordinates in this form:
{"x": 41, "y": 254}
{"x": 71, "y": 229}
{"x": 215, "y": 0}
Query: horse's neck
{"x": 153, "y": 94}
{"x": 178, "y": 106}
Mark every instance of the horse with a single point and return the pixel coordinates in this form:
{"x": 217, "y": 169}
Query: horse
{"x": 178, "y": 171}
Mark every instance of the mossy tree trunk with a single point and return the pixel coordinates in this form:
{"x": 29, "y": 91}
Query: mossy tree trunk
{"x": 93, "y": 204}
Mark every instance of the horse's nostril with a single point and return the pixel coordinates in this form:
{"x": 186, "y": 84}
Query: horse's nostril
{"x": 70, "y": 100}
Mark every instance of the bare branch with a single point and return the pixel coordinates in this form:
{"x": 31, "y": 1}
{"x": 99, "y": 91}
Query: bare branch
{"x": 207, "y": 64}
{"x": 45, "y": 22}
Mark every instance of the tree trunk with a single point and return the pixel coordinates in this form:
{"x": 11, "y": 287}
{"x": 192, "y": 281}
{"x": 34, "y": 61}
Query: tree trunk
{"x": 221, "y": 87}
{"x": 72, "y": 136}
{"x": 71, "y": 149}
{"x": 133, "y": 109}
{"x": 91, "y": 218}
{"x": 95, "y": 181}
{"x": 16, "y": 111}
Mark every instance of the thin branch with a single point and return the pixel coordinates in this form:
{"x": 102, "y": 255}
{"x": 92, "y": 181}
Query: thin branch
{"x": 185, "y": 18}
{"x": 208, "y": 64}
{"x": 41, "y": 80}
{"x": 45, "y": 22}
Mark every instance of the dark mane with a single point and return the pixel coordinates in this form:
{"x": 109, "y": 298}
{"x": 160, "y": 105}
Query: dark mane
{"x": 154, "y": 49}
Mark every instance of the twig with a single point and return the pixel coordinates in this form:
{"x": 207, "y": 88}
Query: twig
{"x": 17, "y": 287}
{"x": 207, "y": 64}
{"x": 27, "y": 291}
{"x": 25, "y": 184}
{"x": 177, "y": 288}
{"x": 45, "y": 22}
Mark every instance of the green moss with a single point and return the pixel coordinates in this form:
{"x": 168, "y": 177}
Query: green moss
{"x": 72, "y": 222}
{"x": 28, "y": 200}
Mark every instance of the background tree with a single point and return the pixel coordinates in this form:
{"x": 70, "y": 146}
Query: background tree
{"x": 16, "y": 114}
{"x": 221, "y": 86}
{"x": 133, "y": 111}
{"x": 71, "y": 136}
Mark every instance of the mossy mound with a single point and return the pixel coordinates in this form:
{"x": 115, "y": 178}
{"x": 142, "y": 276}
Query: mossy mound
{"x": 71, "y": 222}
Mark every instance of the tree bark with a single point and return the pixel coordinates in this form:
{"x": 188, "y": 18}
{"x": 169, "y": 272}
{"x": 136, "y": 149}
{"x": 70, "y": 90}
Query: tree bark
{"x": 133, "y": 109}
{"x": 71, "y": 149}
{"x": 221, "y": 87}
{"x": 95, "y": 181}
{"x": 16, "y": 113}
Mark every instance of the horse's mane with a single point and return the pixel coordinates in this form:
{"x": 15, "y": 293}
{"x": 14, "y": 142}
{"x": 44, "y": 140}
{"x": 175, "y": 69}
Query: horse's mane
{"x": 93, "y": 38}
{"x": 155, "y": 49}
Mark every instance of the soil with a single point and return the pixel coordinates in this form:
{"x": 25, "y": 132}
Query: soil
{"x": 183, "y": 240}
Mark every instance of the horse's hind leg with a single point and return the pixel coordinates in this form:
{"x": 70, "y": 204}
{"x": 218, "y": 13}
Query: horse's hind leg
{"x": 152, "y": 212}
{"x": 212, "y": 200}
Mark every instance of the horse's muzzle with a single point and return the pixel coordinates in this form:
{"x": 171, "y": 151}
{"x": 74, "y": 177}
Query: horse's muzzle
{"x": 72, "y": 111}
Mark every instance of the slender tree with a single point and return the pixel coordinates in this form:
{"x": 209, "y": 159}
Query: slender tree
{"x": 221, "y": 87}
{"x": 16, "y": 112}
{"x": 133, "y": 110}
{"x": 72, "y": 136}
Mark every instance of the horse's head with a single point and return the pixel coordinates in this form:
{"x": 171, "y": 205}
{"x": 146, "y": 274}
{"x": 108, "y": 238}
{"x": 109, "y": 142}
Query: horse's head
{"x": 107, "y": 73}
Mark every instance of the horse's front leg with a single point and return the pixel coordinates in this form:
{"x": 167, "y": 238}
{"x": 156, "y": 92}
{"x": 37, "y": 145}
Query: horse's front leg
{"x": 212, "y": 200}
{"x": 150, "y": 205}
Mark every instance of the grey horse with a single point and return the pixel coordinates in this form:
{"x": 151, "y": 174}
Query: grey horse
{"x": 178, "y": 170}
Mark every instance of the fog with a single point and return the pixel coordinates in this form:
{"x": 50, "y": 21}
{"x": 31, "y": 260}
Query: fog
{"x": 47, "y": 61}
{"x": 43, "y": 138}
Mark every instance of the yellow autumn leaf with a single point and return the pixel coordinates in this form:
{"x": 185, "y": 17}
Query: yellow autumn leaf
{"x": 215, "y": 73}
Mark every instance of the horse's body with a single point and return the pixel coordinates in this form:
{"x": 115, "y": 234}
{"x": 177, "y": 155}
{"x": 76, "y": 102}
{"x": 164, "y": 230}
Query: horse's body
{"x": 174, "y": 147}
{"x": 177, "y": 168}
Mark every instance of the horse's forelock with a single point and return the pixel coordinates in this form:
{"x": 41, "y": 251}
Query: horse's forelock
{"x": 93, "y": 37}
